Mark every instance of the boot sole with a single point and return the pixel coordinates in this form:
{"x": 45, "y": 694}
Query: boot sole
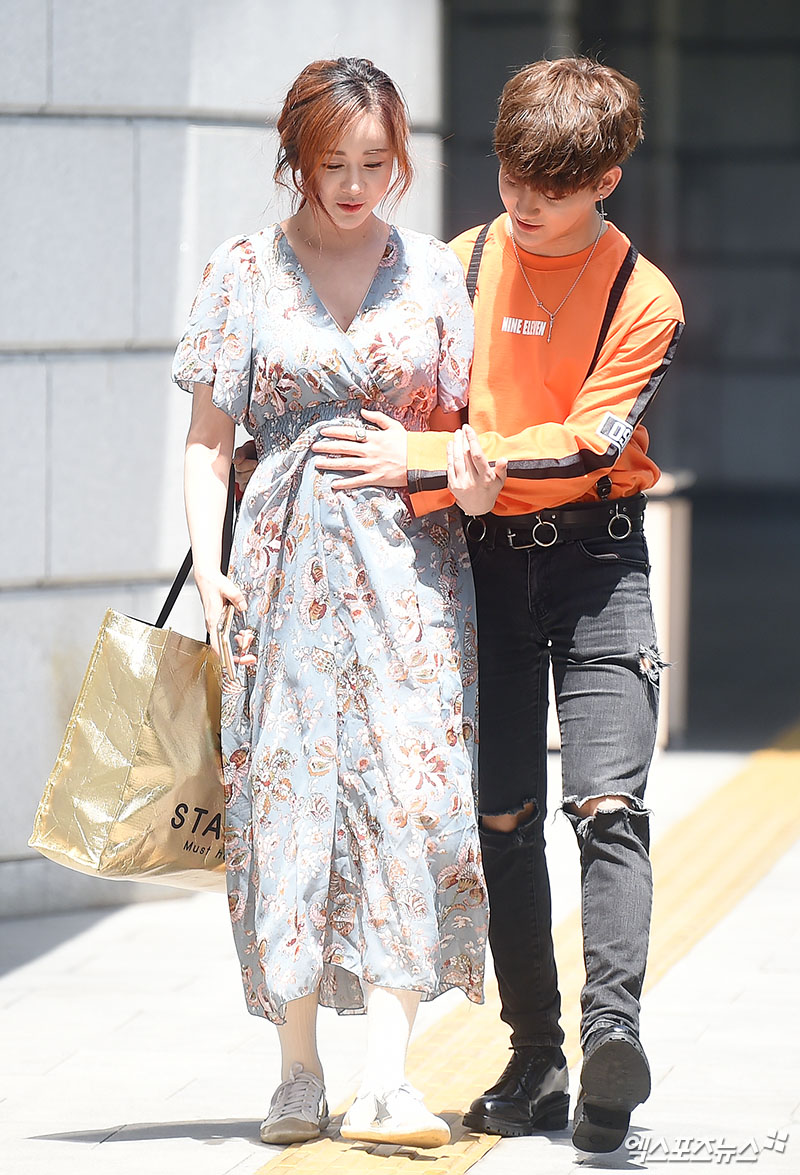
{"x": 291, "y": 1130}
{"x": 614, "y": 1079}
{"x": 552, "y": 1114}
{"x": 425, "y": 1138}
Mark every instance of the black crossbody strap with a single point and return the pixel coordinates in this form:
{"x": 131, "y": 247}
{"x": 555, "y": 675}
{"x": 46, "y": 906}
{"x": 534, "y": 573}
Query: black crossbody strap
{"x": 186, "y": 566}
{"x": 475, "y": 261}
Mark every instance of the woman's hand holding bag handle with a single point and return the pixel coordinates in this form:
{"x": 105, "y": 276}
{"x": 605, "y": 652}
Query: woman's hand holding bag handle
{"x": 137, "y": 790}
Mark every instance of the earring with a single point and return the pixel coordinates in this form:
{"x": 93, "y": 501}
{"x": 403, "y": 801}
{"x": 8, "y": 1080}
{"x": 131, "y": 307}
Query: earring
{"x": 602, "y": 209}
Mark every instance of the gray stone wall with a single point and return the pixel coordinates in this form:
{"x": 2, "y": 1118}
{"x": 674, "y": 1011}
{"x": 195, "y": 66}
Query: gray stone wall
{"x": 134, "y": 138}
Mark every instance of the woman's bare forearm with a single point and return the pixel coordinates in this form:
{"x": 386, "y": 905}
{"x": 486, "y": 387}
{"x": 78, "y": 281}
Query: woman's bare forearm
{"x": 209, "y": 447}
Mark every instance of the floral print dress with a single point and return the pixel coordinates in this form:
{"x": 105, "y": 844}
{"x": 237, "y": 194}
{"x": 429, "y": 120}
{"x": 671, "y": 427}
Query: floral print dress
{"x": 349, "y": 748}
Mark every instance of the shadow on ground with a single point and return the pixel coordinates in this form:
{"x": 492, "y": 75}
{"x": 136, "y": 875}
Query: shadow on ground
{"x": 247, "y": 1129}
{"x": 25, "y": 939}
{"x": 209, "y": 1132}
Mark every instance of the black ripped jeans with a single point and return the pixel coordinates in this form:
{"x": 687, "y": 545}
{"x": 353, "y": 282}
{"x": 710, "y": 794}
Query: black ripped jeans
{"x": 585, "y": 606}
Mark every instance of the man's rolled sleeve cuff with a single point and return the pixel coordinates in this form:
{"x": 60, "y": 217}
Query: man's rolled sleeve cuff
{"x": 427, "y": 472}
{"x": 421, "y": 480}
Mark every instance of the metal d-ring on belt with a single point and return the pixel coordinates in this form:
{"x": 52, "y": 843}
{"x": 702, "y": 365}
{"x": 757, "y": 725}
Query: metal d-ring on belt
{"x": 548, "y": 538}
{"x": 619, "y": 517}
{"x": 566, "y": 523}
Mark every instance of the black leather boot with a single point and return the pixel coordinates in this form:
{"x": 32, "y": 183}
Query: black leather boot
{"x": 531, "y": 1094}
{"x": 615, "y": 1077}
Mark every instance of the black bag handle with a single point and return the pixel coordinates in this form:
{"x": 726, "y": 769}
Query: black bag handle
{"x": 186, "y": 566}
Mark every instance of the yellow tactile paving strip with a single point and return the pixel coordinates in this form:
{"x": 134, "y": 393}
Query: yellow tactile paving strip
{"x": 702, "y": 867}
{"x": 708, "y": 862}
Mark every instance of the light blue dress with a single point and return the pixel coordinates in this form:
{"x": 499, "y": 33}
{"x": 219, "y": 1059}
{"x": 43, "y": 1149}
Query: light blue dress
{"x": 349, "y": 748}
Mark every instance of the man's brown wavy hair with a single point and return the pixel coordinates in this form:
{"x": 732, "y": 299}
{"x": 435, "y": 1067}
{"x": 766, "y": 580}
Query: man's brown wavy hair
{"x": 562, "y": 124}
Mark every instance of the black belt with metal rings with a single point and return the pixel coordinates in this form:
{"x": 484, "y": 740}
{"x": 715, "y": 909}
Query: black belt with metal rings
{"x": 616, "y": 518}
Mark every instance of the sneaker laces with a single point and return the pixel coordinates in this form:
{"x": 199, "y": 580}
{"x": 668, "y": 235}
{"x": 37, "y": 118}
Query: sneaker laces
{"x": 395, "y": 1099}
{"x": 408, "y": 1088}
{"x": 299, "y": 1096}
{"x": 383, "y": 1104}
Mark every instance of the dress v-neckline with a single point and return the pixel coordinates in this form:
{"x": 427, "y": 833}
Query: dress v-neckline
{"x": 343, "y": 330}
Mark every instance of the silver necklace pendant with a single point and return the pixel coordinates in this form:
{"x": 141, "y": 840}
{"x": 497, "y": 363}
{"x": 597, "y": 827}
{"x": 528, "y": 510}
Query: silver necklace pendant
{"x": 551, "y": 314}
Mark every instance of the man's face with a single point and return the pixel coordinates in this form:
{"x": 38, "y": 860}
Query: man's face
{"x": 553, "y": 225}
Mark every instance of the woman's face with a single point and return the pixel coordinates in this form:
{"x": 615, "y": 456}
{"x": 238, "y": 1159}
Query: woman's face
{"x": 357, "y": 174}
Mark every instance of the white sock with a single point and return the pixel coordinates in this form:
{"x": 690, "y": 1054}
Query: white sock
{"x": 298, "y": 1036}
{"x": 390, "y": 1018}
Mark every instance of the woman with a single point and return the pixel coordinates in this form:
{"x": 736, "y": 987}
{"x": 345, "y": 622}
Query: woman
{"x": 353, "y": 864}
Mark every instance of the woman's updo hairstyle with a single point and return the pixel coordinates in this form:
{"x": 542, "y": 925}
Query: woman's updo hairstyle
{"x": 321, "y": 106}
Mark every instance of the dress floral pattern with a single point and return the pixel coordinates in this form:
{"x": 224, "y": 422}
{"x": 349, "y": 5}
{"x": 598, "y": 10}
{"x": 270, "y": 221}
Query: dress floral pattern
{"x": 349, "y": 748}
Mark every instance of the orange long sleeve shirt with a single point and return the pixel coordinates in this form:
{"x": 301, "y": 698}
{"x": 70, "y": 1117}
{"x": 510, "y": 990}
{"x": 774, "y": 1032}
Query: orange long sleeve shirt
{"x": 565, "y": 413}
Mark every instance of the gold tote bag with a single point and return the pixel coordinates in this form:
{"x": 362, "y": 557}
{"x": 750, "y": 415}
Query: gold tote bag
{"x": 136, "y": 793}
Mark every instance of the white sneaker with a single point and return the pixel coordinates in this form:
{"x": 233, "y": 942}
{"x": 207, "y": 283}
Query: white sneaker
{"x": 398, "y": 1116}
{"x": 298, "y": 1110}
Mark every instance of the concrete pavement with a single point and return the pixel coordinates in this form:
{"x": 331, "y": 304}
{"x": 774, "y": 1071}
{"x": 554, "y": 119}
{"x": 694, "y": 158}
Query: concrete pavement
{"x": 127, "y": 1048}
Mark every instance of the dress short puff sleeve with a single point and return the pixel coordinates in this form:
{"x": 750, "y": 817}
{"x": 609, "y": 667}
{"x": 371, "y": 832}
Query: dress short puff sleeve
{"x": 216, "y": 347}
{"x": 456, "y": 326}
